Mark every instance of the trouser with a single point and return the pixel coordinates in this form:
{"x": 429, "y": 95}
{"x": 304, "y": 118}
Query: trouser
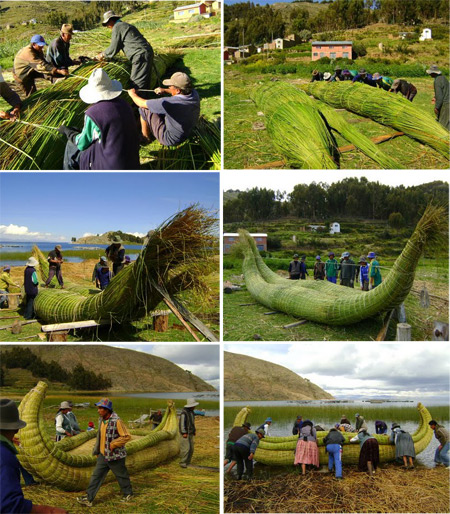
{"x": 332, "y": 279}
{"x": 27, "y": 84}
{"x": 52, "y": 271}
{"x": 443, "y": 455}
{"x": 71, "y": 157}
{"x": 156, "y": 124}
{"x": 411, "y": 93}
{"x": 295, "y": 277}
{"x": 9, "y": 95}
{"x": 347, "y": 282}
{"x": 335, "y": 458}
{"x": 365, "y": 286}
{"x": 101, "y": 470}
{"x": 229, "y": 451}
{"x": 186, "y": 449}
{"x": 3, "y": 297}
{"x": 241, "y": 454}
{"x": 141, "y": 72}
{"x": 117, "y": 267}
{"x": 443, "y": 117}
{"x": 29, "y": 310}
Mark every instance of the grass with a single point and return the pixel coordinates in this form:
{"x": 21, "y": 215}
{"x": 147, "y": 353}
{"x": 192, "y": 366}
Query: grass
{"x": 161, "y": 490}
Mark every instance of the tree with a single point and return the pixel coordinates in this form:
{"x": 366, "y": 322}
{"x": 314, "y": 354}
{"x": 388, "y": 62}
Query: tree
{"x": 2, "y": 377}
{"x": 396, "y": 220}
{"x": 305, "y": 35}
{"x": 73, "y": 239}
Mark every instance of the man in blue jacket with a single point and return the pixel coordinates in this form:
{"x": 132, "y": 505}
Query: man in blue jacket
{"x": 12, "y": 499}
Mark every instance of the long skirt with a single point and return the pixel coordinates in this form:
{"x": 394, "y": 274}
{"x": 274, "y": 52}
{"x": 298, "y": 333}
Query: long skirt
{"x": 369, "y": 452}
{"x": 404, "y": 445}
{"x": 307, "y": 452}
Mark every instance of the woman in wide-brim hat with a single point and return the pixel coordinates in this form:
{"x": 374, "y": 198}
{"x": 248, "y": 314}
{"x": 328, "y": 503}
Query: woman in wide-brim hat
{"x": 31, "y": 282}
{"x": 109, "y": 139}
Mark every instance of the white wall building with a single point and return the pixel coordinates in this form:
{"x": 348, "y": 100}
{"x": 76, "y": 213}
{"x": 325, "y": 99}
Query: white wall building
{"x": 335, "y": 228}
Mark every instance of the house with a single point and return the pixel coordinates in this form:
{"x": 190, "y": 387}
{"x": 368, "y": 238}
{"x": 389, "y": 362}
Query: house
{"x": 426, "y": 34}
{"x": 335, "y": 228}
{"x": 185, "y": 12}
{"x": 231, "y": 238}
{"x": 331, "y": 49}
{"x": 212, "y": 7}
{"x": 315, "y": 228}
{"x": 228, "y": 52}
{"x": 244, "y": 51}
{"x": 282, "y": 43}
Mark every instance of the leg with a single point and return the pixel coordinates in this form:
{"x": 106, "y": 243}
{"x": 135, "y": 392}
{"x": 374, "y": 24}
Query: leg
{"x": 184, "y": 452}
{"x": 249, "y": 466}
{"x": 71, "y": 157}
{"x": 120, "y": 471}
{"x": 60, "y": 277}
{"x": 3, "y": 297}
{"x": 303, "y": 469}
{"x": 97, "y": 478}
{"x": 330, "y": 458}
{"x": 141, "y": 72}
{"x": 191, "y": 448}
{"x": 51, "y": 274}
{"x": 145, "y": 129}
{"x": 405, "y": 462}
{"x": 338, "y": 462}
{"x": 238, "y": 455}
{"x": 370, "y": 468}
{"x": 29, "y": 311}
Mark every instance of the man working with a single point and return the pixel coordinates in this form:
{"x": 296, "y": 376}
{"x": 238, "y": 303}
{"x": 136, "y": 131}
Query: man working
{"x": 187, "y": 431}
{"x": 442, "y": 454}
{"x": 169, "y": 120}
{"x": 58, "y": 50}
{"x": 235, "y": 434}
{"x": 331, "y": 268}
{"x": 102, "y": 262}
{"x": 11, "y": 97}
{"x": 30, "y": 64}
{"x": 294, "y": 268}
{"x": 374, "y": 271}
{"x": 408, "y": 90}
{"x": 31, "y": 286}
{"x": 110, "y": 449}
{"x": 364, "y": 78}
{"x": 244, "y": 451}
{"x": 348, "y": 271}
{"x": 156, "y": 419}
{"x": 138, "y": 50}
{"x": 55, "y": 260}
{"x": 441, "y": 101}
{"x": 63, "y": 423}
{"x": 5, "y": 283}
{"x": 11, "y": 494}
{"x": 382, "y": 82}
{"x": 116, "y": 254}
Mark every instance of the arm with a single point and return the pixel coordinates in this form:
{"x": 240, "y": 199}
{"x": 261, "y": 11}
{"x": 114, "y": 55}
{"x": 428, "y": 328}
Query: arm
{"x": 140, "y": 102}
{"x": 439, "y": 94}
{"x": 34, "y": 278}
{"x": 116, "y": 44}
{"x": 124, "y": 436}
{"x": 88, "y": 135}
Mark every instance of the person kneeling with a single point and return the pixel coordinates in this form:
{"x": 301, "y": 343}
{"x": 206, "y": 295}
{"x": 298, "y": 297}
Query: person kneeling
{"x": 169, "y": 120}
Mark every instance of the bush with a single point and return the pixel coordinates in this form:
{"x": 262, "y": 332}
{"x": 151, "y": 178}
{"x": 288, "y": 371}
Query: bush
{"x": 359, "y": 49}
{"x": 396, "y": 220}
{"x": 274, "y": 243}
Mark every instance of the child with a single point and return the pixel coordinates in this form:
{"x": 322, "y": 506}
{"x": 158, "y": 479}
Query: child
{"x": 90, "y": 426}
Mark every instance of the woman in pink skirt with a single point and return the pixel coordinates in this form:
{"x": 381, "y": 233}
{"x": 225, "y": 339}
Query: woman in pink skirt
{"x": 307, "y": 451}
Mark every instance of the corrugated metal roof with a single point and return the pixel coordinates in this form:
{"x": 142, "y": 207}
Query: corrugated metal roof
{"x": 235, "y": 234}
{"x": 332, "y": 43}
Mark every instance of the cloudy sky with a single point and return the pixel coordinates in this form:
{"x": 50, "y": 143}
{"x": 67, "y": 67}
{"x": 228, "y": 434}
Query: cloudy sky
{"x": 202, "y": 359}
{"x": 285, "y": 180}
{"x": 59, "y": 206}
{"x": 410, "y": 370}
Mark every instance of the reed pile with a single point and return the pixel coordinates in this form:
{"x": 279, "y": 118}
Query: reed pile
{"x": 175, "y": 257}
{"x": 385, "y": 108}
{"x": 33, "y": 142}
{"x": 391, "y": 490}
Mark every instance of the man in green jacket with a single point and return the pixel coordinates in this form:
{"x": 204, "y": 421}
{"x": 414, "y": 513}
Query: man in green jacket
{"x": 374, "y": 271}
{"x": 441, "y": 102}
{"x": 138, "y": 50}
{"x": 331, "y": 268}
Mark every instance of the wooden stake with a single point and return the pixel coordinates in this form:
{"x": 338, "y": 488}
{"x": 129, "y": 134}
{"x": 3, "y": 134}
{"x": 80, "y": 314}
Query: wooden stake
{"x": 377, "y": 140}
{"x": 245, "y": 304}
{"x": 296, "y": 324}
{"x": 382, "y": 333}
{"x": 271, "y": 312}
{"x": 180, "y": 317}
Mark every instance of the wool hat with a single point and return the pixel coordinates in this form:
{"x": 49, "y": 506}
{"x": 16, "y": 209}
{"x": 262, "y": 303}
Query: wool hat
{"x": 267, "y": 420}
{"x": 191, "y": 403}
{"x": 127, "y": 258}
{"x": 327, "y": 75}
{"x": 303, "y": 257}
{"x": 317, "y": 257}
{"x": 260, "y": 431}
{"x": 7, "y": 268}
{"x": 66, "y": 28}
{"x": 9, "y": 415}
{"x": 330, "y": 254}
{"x": 377, "y": 76}
{"x": 32, "y": 262}
{"x": 38, "y": 40}
{"x": 362, "y": 259}
{"x": 91, "y": 424}
{"x": 106, "y": 403}
{"x": 247, "y": 425}
{"x": 180, "y": 80}
{"x": 64, "y": 405}
{"x": 100, "y": 87}
{"x": 432, "y": 422}
{"x": 108, "y": 15}
{"x": 434, "y": 69}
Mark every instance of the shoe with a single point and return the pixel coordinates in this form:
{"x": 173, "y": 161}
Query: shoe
{"x": 84, "y": 500}
{"x": 127, "y": 498}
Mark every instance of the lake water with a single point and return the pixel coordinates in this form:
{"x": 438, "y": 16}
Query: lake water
{"x": 284, "y": 414}
{"x": 199, "y": 396}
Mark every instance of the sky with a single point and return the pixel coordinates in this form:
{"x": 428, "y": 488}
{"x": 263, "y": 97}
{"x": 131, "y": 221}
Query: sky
{"x": 202, "y": 360}
{"x": 59, "y": 206}
{"x": 262, "y": 2}
{"x": 285, "y": 180}
{"x": 363, "y": 370}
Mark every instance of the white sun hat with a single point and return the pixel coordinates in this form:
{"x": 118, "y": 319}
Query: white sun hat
{"x": 100, "y": 87}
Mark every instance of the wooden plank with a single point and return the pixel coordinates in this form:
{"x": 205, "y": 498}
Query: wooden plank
{"x": 11, "y": 294}
{"x": 28, "y": 337}
{"x": 377, "y": 140}
{"x": 180, "y": 317}
{"x": 9, "y": 317}
{"x": 382, "y": 333}
{"x": 57, "y": 327}
{"x": 267, "y": 165}
{"x": 246, "y": 304}
{"x": 22, "y": 324}
{"x": 296, "y": 324}
{"x": 271, "y": 312}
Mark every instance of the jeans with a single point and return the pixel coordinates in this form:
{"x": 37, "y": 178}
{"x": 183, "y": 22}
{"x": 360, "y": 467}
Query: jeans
{"x": 241, "y": 454}
{"x": 332, "y": 279}
{"x": 335, "y": 457}
{"x": 102, "y": 468}
{"x": 443, "y": 455}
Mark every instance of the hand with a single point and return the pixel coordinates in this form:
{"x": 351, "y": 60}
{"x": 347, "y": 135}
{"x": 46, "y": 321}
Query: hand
{"x": 184, "y": 436}
{"x": 159, "y": 90}
{"x": 100, "y": 56}
{"x": 250, "y": 457}
{"x": 15, "y": 113}
{"x": 47, "y": 509}
{"x": 433, "y": 101}
{"x": 4, "y": 115}
{"x": 436, "y": 111}
{"x": 132, "y": 92}
{"x": 76, "y": 62}
{"x": 63, "y": 72}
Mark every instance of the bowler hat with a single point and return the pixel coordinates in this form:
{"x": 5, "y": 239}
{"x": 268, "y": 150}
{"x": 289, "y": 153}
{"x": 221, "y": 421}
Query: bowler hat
{"x": 395, "y": 425}
{"x": 260, "y": 431}
{"x": 9, "y": 415}
{"x": 247, "y": 425}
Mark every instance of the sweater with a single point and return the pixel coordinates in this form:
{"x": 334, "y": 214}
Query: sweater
{"x": 250, "y": 441}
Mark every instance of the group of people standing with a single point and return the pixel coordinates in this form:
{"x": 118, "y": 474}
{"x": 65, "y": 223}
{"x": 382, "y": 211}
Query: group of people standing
{"x": 347, "y": 270}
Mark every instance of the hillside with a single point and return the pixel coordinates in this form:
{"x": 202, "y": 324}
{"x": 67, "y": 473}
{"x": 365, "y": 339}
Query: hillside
{"x": 247, "y": 378}
{"x": 104, "y": 239}
{"x": 287, "y": 7}
{"x": 129, "y": 370}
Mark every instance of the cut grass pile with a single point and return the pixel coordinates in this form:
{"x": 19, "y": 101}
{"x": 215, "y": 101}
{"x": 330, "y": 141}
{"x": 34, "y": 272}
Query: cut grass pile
{"x": 391, "y": 490}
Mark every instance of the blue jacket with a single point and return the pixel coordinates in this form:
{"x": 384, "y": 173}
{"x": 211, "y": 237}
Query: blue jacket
{"x": 364, "y": 274}
{"x": 103, "y": 276}
{"x": 11, "y": 495}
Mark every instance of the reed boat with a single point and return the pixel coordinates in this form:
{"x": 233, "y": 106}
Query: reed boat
{"x": 69, "y": 463}
{"x": 325, "y": 302}
{"x": 279, "y": 451}
{"x": 174, "y": 258}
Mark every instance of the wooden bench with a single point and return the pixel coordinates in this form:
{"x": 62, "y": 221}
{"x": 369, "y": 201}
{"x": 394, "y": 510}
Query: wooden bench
{"x": 58, "y": 331}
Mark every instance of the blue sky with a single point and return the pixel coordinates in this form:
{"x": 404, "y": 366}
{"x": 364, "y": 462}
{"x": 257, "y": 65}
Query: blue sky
{"x": 57, "y": 206}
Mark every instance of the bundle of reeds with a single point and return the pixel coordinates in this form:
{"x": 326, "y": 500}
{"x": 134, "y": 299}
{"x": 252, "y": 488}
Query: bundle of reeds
{"x": 328, "y": 303}
{"x": 68, "y": 465}
{"x": 33, "y": 141}
{"x": 296, "y": 127}
{"x": 278, "y": 451}
{"x": 175, "y": 257}
{"x": 387, "y": 109}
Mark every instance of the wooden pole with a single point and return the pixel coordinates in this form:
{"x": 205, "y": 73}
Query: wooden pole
{"x": 403, "y": 332}
{"x": 180, "y": 317}
{"x": 22, "y": 324}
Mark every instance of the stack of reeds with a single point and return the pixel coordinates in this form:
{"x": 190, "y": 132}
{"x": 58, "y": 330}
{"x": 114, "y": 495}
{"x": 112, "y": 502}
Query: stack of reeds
{"x": 387, "y": 109}
{"x": 175, "y": 257}
{"x": 55, "y": 464}
{"x": 328, "y": 303}
{"x": 296, "y": 127}
{"x": 33, "y": 142}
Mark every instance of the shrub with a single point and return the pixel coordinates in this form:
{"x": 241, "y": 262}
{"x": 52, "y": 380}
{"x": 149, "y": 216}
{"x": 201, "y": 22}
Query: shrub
{"x": 274, "y": 243}
{"x": 359, "y": 49}
{"x": 396, "y": 220}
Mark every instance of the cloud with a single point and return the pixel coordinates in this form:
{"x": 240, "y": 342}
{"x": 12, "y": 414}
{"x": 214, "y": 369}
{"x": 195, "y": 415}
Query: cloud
{"x": 14, "y": 232}
{"x": 138, "y": 234}
{"x": 87, "y": 234}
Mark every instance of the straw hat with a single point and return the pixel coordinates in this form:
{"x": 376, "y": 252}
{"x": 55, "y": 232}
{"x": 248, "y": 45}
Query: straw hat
{"x": 64, "y": 405}
{"x": 9, "y": 415}
{"x": 108, "y": 15}
{"x": 191, "y": 403}
{"x": 434, "y": 69}
{"x": 66, "y": 28}
{"x": 327, "y": 75}
{"x": 116, "y": 240}
{"x": 376, "y": 76}
{"x": 100, "y": 87}
{"x": 32, "y": 262}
